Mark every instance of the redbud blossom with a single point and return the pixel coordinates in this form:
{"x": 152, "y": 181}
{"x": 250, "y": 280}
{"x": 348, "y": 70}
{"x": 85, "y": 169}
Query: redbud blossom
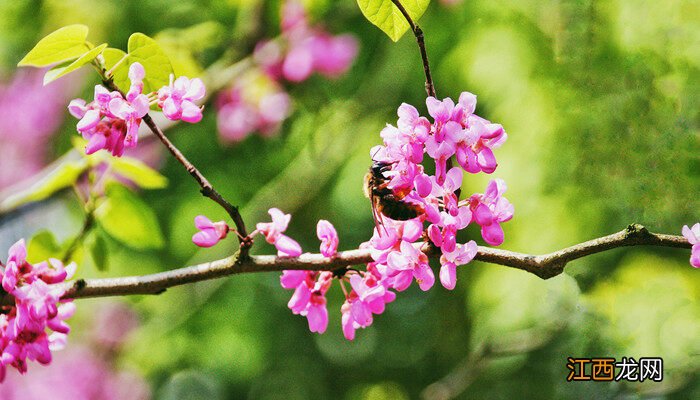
{"x": 309, "y": 299}
{"x": 111, "y": 121}
{"x": 693, "y": 236}
{"x": 273, "y": 232}
{"x": 210, "y": 233}
{"x": 38, "y": 307}
{"x": 491, "y": 209}
{"x": 329, "y": 238}
{"x": 368, "y": 296}
{"x": 462, "y": 254}
{"x": 179, "y": 99}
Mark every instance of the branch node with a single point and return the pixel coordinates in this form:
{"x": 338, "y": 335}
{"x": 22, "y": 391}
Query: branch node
{"x": 80, "y": 284}
{"x": 637, "y": 230}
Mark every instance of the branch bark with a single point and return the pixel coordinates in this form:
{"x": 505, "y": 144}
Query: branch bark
{"x": 207, "y": 189}
{"x": 544, "y": 266}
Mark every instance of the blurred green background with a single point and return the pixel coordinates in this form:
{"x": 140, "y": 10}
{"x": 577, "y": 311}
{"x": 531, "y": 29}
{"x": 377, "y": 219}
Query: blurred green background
{"x": 600, "y": 101}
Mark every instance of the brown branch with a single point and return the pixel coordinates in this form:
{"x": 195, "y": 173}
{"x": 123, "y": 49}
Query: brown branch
{"x": 87, "y": 226}
{"x": 418, "y": 33}
{"x": 207, "y": 188}
{"x": 544, "y": 266}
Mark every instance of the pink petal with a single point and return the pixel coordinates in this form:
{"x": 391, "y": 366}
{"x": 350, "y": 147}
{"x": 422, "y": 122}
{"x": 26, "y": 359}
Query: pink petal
{"x": 448, "y": 275}
{"x": 298, "y": 64}
{"x": 136, "y": 73}
{"x": 292, "y": 279}
{"x": 171, "y": 110}
{"x": 97, "y": 142}
{"x": 288, "y": 246}
{"x": 424, "y": 276}
{"x": 318, "y": 318}
{"x": 492, "y": 234}
{"x": 196, "y": 91}
{"x": 89, "y": 120}
{"x": 191, "y": 112}
{"x": 347, "y": 324}
{"x": 468, "y": 102}
{"x": 299, "y": 299}
{"x": 482, "y": 215}
{"x": 202, "y": 222}
{"x": 205, "y": 238}
{"x": 77, "y": 108}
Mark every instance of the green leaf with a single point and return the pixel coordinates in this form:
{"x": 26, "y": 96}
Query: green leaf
{"x": 65, "y": 69}
{"x": 42, "y": 247}
{"x": 147, "y": 52}
{"x": 98, "y": 252}
{"x": 387, "y": 17}
{"x": 138, "y": 172}
{"x": 128, "y": 219}
{"x": 67, "y": 43}
{"x": 62, "y": 176}
{"x": 120, "y": 75}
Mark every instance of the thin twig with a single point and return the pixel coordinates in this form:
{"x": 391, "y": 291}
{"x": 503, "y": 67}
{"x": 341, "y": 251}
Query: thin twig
{"x": 87, "y": 226}
{"x": 544, "y": 266}
{"x": 418, "y": 33}
{"x": 207, "y": 189}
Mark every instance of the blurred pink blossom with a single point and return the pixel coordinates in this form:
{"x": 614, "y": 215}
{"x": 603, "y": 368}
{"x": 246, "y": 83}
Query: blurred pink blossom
{"x": 29, "y": 114}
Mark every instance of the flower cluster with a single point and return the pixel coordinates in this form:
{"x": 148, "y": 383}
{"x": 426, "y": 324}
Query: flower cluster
{"x": 38, "y": 307}
{"x": 257, "y": 102}
{"x": 693, "y": 236}
{"x": 254, "y": 103}
{"x": 304, "y": 49}
{"x": 425, "y": 211}
{"x": 111, "y": 121}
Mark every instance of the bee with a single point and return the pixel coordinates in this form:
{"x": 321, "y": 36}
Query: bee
{"x": 384, "y": 200}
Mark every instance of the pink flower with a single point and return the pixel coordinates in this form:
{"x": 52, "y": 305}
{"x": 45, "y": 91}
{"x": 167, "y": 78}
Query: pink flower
{"x": 333, "y": 56}
{"x": 254, "y": 103}
{"x": 491, "y": 209}
{"x": 210, "y": 233}
{"x": 368, "y": 296}
{"x": 23, "y": 327}
{"x": 273, "y": 232}
{"x": 111, "y": 121}
{"x": 329, "y": 238}
{"x": 693, "y": 236}
{"x": 309, "y": 299}
{"x": 409, "y": 263}
{"x": 461, "y": 255}
{"x": 310, "y": 49}
{"x": 179, "y": 99}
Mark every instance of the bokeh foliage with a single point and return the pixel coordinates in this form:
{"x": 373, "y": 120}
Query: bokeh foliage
{"x": 600, "y": 101}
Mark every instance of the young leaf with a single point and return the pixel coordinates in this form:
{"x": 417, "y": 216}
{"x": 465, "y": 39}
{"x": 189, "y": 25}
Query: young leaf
{"x": 65, "y": 44}
{"x": 65, "y": 69}
{"x": 64, "y": 175}
{"x": 128, "y": 219}
{"x": 144, "y": 50}
{"x": 387, "y": 17}
{"x": 42, "y": 247}
{"x": 138, "y": 172}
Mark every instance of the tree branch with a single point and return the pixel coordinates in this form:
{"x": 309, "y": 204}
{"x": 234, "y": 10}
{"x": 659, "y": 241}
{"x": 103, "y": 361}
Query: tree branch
{"x": 207, "y": 188}
{"x": 544, "y": 266}
{"x": 418, "y": 33}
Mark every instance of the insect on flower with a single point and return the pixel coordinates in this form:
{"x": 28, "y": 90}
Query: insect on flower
{"x": 385, "y": 201}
